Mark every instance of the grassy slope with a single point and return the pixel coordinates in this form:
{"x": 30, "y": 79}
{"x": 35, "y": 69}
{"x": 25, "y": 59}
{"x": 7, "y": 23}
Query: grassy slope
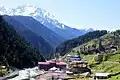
{"x": 111, "y": 66}
{"x": 106, "y": 40}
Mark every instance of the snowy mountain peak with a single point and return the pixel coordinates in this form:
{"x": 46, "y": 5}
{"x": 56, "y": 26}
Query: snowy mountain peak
{"x": 89, "y": 29}
{"x": 45, "y": 18}
{"x": 24, "y": 10}
{"x": 33, "y": 11}
{"x": 2, "y": 10}
{"x": 1, "y": 5}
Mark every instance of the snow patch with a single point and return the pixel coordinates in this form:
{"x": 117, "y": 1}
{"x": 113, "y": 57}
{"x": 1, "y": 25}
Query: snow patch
{"x": 63, "y": 26}
{"x": 37, "y": 13}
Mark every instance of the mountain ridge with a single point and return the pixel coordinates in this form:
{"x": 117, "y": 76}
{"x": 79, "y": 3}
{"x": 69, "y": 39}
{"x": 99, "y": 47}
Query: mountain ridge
{"x": 45, "y": 18}
{"x": 39, "y": 29}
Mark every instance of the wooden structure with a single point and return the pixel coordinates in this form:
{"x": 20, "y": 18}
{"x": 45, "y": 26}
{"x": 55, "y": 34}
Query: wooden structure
{"x": 79, "y": 67}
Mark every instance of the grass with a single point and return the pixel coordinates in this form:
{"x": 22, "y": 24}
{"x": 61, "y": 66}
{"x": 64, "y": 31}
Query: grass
{"x": 88, "y": 57}
{"x": 80, "y": 78}
{"x": 3, "y": 71}
{"x": 115, "y": 77}
{"x": 107, "y": 68}
{"x": 112, "y": 65}
{"x": 115, "y": 58}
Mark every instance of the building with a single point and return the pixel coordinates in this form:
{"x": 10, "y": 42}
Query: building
{"x": 43, "y": 65}
{"x": 101, "y": 76}
{"x": 79, "y": 67}
{"x": 74, "y": 58}
{"x": 50, "y": 64}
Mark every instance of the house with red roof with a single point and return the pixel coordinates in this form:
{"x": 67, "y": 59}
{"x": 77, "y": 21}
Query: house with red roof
{"x": 50, "y": 64}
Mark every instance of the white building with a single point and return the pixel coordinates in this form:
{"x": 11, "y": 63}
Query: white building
{"x": 101, "y": 76}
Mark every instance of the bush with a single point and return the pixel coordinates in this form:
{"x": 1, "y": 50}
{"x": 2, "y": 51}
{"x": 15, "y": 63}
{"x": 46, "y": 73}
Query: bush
{"x": 105, "y": 57}
{"x": 99, "y": 58}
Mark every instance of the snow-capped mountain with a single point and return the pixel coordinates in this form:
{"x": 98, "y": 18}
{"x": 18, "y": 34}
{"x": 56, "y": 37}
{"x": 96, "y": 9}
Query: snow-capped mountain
{"x": 45, "y": 18}
{"x": 29, "y": 10}
{"x": 2, "y": 10}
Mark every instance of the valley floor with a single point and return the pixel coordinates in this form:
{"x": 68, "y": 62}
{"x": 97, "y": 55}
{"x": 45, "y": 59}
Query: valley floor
{"x": 112, "y": 66}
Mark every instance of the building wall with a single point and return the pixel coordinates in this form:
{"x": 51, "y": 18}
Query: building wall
{"x": 45, "y": 67}
{"x": 51, "y": 65}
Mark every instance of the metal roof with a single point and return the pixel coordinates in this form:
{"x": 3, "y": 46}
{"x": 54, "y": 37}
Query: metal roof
{"x": 102, "y": 74}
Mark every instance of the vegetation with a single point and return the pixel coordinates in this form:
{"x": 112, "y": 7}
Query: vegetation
{"x": 67, "y": 46}
{"x": 30, "y": 36}
{"x": 102, "y": 54}
{"x": 3, "y": 70}
{"x": 110, "y": 65}
{"x": 108, "y": 43}
{"x": 115, "y": 57}
{"x": 78, "y": 78}
{"x": 14, "y": 50}
{"x": 39, "y": 29}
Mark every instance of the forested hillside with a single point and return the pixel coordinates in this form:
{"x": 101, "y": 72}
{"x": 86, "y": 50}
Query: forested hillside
{"x": 14, "y": 50}
{"x": 70, "y": 44}
{"x": 105, "y": 44}
{"x": 31, "y": 37}
{"x": 39, "y": 29}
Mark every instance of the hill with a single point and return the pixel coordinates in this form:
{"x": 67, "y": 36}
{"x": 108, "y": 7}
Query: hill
{"x": 14, "y": 50}
{"x": 31, "y": 37}
{"x": 104, "y": 44}
{"x": 70, "y": 44}
{"x": 102, "y": 54}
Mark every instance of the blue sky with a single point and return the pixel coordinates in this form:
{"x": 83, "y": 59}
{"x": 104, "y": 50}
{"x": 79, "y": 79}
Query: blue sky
{"x": 96, "y": 14}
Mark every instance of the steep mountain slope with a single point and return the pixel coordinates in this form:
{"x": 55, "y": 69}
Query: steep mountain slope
{"x": 14, "y": 50}
{"x": 46, "y": 19}
{"x": 70, "y": 44}
{"x": 39, "y": 29}
{"x": 31, "y": 37}
{"x": 61, "y": 29}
